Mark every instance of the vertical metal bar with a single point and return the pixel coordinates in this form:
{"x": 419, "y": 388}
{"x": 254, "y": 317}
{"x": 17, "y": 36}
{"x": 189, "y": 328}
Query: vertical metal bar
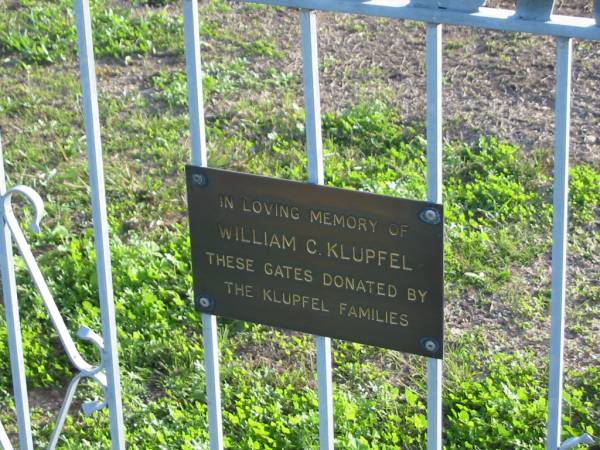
{"x": 312, "y": 96}
{"x": 213, "y": 383}
{"x": 5, "y": 443}
{"x": 434, "y": 113}
{"x": 434, "y": 194}
{"x": 559, "y": 244}
{"x": 194, "y": 77}
{"x": 99, "y": 215}
{"x": 314, "y": 146}
{"x": 199, "y": 158}
{"x": 324, "y": 374}
{"x": 13, "y": 323}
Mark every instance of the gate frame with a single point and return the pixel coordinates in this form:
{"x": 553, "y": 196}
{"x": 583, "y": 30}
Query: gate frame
{"x": 563, "y": 28}
{"x": 526, "y": 19}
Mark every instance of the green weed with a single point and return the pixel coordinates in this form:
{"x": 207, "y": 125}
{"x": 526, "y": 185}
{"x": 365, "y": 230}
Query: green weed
{"x": 44, "y": 33}
{"x": 584, "y": 195}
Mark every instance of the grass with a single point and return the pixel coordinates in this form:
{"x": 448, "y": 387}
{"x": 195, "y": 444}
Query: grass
{"x": 497, "y": 199}
{"x": 43, "y": 33}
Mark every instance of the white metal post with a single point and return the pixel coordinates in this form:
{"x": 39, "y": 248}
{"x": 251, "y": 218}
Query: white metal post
{"x": 199, "y": 158}
{"x": 99, "y": 215}
{"x": 312, "y": 97}
{"x": 213, "y": 382}
{"x": 314, "y": 147}
{"x": 559, "y": 238}
{"x": 434, "y": 194}
{"x": 13, "y": 323}
{"x": 485, "y": 18}
{"x": 194, "y": 79}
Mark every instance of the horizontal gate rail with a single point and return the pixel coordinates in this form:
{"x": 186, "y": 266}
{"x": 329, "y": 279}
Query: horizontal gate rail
{"x": 490, "y": 18}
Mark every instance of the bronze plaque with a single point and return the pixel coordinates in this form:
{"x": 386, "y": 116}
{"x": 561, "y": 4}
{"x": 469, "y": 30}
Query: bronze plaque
{"x": 332, "y": 262}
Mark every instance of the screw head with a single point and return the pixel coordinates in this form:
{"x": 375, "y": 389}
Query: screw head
{"x": 204, "y": 303}
{"x": 430, "y": 216}
{"x": 199, "y": 179}
{"x": 430, "y": 345}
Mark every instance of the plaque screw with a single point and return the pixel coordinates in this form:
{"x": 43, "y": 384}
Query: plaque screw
{"x": 199, "y": 180}
{"x": 204, "y": 303}
{"x": 430, "y": 345}
{"x": 430, "y": 216}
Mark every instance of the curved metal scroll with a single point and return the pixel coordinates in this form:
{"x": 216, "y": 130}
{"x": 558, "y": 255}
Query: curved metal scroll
{"x": 584, "y": 439}
{"x": 85, "y": 369}
{"x": 4, "y": 441}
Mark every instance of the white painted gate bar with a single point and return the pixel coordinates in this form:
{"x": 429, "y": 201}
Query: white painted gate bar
{"x": 488, "y": 18}
{"x": 316, "y": 175}
{"x": 13, "y": 323}
{"x": 434, "y": 194}
{"x": 199, "y": 158}
{"x": 99, "y": 216}
{"x": 312, "y": 96}
{"x": 194, "y": 76}
{"x": 560, "y": 240}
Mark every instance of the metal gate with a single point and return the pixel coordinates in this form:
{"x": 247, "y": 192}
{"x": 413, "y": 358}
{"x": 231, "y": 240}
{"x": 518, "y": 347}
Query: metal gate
{"x": 531, "y": 16}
